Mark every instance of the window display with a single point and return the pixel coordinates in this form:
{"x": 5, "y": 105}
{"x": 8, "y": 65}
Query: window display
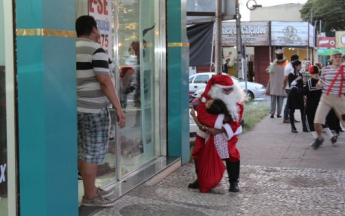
{"x": 137, "y": 38}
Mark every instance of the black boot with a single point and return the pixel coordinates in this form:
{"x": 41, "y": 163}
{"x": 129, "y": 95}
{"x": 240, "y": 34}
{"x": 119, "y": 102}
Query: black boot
{"x": 233, "y": 169}
{"x": 304, "y": 125}
{"x": 195, "y": 184}
{"x": 293, "y": 128}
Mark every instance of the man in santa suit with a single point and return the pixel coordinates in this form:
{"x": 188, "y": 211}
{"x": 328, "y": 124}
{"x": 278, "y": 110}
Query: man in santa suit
{"x": 207, "y": 154}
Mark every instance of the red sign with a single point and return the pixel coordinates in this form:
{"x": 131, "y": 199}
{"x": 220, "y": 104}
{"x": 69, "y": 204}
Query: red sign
{"x": 326, "y": 43}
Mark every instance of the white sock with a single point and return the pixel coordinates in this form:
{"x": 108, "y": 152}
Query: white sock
{"x": 314, "y": 134}
{"x": 329, "y": 132}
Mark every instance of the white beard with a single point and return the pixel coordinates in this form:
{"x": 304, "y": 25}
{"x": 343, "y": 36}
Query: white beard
{"x": 237, "y": 96}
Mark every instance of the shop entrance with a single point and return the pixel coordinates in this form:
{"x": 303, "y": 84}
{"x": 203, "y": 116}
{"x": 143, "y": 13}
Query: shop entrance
{"x": 138, "y": 42}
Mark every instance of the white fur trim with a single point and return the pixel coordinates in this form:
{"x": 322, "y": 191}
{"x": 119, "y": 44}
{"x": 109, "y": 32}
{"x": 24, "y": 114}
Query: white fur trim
{"x": 203, "y": 99}
{"x": 239, "y": 130}
{"x": 223, "y": 86}
{"x": 229, "y": 133}
{"x": 201, "y": 133}
{"x": 219, "y": 122}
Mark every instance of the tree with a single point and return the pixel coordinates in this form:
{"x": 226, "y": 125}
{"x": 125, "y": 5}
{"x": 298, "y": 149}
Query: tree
{"x": 330, "y": 12}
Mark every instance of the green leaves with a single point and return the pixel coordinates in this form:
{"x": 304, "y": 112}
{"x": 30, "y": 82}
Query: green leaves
{"x": 330, "y": 12}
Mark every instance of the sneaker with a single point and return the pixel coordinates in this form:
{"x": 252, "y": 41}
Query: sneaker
{"x": 97, "y": 201}
{"x": 334, "y": 139}
{"x": 317, "y": 143}
{"x": 104, "y": 193}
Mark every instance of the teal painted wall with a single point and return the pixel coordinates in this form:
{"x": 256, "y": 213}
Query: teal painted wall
{"x": 47, "y": 110}
{"x": 178, "y": 58}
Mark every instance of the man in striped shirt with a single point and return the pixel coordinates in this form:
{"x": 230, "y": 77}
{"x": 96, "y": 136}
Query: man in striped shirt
{"x": 333, "y": 90}
{"x": 95, "y": 92}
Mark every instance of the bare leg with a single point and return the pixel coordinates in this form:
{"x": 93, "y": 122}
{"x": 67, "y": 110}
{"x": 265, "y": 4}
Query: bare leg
{"x": 88, "y": 172}
{"x": 318, "y": 129}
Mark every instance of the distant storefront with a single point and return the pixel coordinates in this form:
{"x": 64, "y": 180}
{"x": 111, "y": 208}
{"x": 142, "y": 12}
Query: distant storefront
{"x": 265, "y": 37}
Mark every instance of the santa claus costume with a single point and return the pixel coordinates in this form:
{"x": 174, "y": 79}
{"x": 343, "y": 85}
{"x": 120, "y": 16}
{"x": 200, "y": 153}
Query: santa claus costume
{"x": 208, "y": 152}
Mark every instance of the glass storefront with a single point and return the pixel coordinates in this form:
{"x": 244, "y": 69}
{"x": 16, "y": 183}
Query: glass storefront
{"x": 7, "y": 143}
{"x": 137, "y": 38}
{"x": 3, "y": 133}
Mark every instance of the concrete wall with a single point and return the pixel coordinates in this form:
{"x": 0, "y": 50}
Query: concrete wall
{"x": 284, "y": 12}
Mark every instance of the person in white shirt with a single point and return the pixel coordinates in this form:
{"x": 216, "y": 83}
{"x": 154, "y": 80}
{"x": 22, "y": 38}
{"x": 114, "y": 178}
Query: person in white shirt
{"x": 288, "y": 69}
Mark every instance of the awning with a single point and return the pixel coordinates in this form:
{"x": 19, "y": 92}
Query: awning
{"x": 200, "y": 44}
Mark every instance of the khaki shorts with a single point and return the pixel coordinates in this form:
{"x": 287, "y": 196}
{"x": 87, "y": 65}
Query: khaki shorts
{"x": 328, "y": 102}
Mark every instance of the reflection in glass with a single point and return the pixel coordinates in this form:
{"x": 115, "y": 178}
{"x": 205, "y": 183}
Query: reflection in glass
{"x": 137, "y": 67}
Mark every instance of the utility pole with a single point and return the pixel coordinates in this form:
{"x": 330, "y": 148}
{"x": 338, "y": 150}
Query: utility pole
{"x": 218, "y": 40}
{"x": 238, "y": 41}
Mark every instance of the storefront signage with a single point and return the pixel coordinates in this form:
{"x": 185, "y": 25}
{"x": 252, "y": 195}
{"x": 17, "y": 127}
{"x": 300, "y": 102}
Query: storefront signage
{"x": 2, "y": 173}
{"x": 327, "y": 52}
{"x": 311, "y": 36}
{"x": 289, "y": 33}
{"x": 253, "y": 33}
{"x": 340, "y": 39}
{"x": 326, "y": 43}
{"x": 101, "y": 11}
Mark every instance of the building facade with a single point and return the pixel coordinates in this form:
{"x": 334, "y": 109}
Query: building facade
{"x": 38, "y": 144}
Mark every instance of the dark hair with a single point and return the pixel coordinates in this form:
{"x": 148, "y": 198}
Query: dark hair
{"x": 294, "y": 57}
{"x": 218, "y": 107}
{"x": 296, "y": 63}
{"x": 84, "y": 25}
{"x": 280, "y": 56}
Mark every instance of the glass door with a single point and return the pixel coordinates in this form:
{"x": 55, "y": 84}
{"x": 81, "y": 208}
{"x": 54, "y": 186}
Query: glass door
{"x": 138, "y": 36}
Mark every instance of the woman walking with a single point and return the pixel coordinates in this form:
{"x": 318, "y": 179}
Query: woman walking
{"x": 295, "y": 98}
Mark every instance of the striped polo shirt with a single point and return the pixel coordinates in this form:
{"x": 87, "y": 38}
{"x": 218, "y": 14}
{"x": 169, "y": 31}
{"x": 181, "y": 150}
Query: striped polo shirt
{"x": 92, "y": 60}
{"x": 327, "y": 76}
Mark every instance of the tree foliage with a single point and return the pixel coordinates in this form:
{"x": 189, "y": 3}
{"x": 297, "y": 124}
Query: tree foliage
{"x": 330, "y": 12}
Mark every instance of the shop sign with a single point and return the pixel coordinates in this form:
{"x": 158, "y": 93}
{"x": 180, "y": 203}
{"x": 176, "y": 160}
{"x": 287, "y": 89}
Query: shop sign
{"x": 253, "y": 33}
{"x": 289, "y": 33}
{"x": 101, "y": 11}
{"x": 327, "y": 52}
{"x": 340, "y": 39}
{"x": 311, "y": 36}
{"x": 326, "y": 43}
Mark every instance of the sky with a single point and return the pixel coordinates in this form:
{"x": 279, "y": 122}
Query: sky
{"x": 244, "y": 11}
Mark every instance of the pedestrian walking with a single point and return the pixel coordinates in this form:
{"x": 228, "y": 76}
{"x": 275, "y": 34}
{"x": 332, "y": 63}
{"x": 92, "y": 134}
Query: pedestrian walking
{"x": 313, "y": 95}
{"x": 333, "y": 90}
{"x": 274, "y": 87}
{"x": 295, "y": 98}
{"x": 288, "y": 69}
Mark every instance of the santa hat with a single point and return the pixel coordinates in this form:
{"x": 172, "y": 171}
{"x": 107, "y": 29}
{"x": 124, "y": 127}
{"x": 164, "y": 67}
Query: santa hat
{"x": 223, "y": 81}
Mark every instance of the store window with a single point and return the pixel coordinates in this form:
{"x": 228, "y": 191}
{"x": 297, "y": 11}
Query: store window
{"x": 138, "y": 38}
{"x": 135, "y": 46}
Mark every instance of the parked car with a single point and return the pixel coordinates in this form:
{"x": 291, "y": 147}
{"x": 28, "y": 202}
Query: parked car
{"x": 198, "y": 81}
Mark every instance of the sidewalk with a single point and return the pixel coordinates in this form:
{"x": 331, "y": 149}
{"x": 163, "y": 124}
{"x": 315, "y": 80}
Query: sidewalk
{"x": 280, "y": 175}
